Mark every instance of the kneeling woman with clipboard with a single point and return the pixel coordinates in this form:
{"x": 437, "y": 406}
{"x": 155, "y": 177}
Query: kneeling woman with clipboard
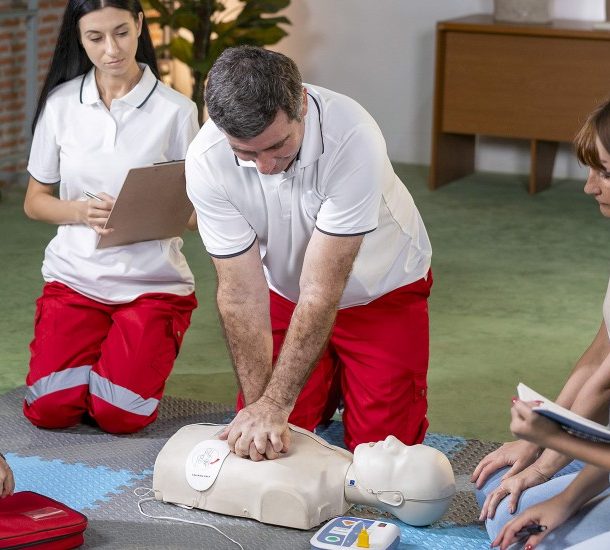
{"x": 111, "y": 320}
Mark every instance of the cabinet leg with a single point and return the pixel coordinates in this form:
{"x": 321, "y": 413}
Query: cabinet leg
{"x": 542, "y": 154}
{"x": 452, "y": 158}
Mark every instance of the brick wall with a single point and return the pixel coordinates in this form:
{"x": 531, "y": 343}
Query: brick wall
{"x": 14, "y": 134}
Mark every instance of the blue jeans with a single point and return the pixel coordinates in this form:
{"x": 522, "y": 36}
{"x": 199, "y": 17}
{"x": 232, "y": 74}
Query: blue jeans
{"x": 592, "y": 520}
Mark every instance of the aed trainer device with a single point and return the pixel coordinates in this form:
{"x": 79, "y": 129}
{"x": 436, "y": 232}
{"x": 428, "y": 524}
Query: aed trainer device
{"x": 350, "y": 532}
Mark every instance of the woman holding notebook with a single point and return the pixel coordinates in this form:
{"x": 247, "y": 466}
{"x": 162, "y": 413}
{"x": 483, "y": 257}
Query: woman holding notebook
{"x": 110, "y": 321}
{"x": 579, "y": 512}
{"x": 535, "y": 476}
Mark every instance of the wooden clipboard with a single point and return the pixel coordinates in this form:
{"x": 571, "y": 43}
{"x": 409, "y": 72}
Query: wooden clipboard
{"x": 151, "y": 205}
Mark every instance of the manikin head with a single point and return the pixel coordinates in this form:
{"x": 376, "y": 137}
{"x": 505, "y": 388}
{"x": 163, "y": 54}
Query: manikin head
{"x": 414, "y": 483}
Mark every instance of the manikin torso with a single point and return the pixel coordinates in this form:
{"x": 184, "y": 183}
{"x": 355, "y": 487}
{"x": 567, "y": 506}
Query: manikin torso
{"x": 301, "y": 489}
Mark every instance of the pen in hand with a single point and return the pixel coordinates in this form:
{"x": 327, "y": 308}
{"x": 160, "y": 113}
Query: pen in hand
{"x": 93, "y": 196}
{"x": 530, "y": 530}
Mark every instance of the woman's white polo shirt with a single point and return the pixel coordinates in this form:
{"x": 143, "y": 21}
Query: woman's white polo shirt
{"x": 83, "y": 146}
{"x": 341, "y": 183}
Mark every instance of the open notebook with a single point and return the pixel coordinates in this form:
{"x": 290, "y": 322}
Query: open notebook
{"x": 571, "y": 422}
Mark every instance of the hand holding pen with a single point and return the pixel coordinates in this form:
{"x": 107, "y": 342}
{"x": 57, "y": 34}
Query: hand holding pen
{"x": 529, "y": 530}
{"x": 93, "y": 196}
{"x": 98, "y": 210}
{"x": 529, "y": 534}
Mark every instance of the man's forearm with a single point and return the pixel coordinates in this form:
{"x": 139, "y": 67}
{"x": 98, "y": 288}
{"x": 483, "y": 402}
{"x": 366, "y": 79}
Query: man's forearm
{"x": 305, "y": 341}
{"x": 247, "y": 329}
{"x": 326, "y": 268}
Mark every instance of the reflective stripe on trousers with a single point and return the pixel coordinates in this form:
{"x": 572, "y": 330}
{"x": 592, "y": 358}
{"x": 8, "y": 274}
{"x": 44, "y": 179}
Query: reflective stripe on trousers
{"x": 103, "y": 388}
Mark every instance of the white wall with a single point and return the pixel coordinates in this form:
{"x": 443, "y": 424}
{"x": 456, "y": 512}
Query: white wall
{"x": 381, "y": 52}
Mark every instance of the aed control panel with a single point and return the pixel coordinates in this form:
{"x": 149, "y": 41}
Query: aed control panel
{"x": 351, "y": 532}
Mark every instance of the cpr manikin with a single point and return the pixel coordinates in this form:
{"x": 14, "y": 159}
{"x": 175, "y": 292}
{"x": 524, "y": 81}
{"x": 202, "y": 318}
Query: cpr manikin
{"x": 310, "y": 484}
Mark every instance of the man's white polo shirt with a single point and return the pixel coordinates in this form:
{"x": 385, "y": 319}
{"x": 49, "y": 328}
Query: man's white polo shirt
{"x": 82, "y": 145}
{"x": 341, "y": 183}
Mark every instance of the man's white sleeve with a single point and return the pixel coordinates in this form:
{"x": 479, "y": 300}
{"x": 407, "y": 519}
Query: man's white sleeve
{"x": 223, "y": 229}
{"x": 353, "y": 184}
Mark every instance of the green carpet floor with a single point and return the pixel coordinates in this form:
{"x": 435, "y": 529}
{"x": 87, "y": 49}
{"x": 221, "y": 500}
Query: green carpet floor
{"x": 519, "y": 285}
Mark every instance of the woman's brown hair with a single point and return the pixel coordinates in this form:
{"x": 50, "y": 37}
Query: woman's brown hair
{"x": 597, "y": 125}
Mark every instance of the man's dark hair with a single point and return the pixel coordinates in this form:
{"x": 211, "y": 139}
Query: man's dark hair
{"x": 246, "y": 88}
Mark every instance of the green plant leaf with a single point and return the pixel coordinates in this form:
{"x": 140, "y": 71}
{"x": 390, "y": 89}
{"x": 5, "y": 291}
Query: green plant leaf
{"x": 265, "y": 6}
{"x": 258, "y": 22}
{"x": 255, "y": 9}
{"x": 259, "y": 37}
{"x": 181, "y": 49}
{"x": 186, "y": 19}
{"x": 224, "y": 27}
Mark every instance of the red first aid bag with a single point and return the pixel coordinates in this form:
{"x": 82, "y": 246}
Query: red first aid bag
{"x": 30, "y": 520}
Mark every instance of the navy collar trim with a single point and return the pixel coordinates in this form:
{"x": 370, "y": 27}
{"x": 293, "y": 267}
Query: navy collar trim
{"x": 148, "y": 96}
{"x": 82, "y": 84}
{"x": 319, "y": 120}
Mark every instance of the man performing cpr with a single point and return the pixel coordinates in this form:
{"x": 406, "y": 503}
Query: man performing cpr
{"x": 322, "y": 258}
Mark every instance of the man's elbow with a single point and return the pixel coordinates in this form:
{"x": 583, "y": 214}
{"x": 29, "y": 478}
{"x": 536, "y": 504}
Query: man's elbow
{"x": 29, "y": 210}
{"x": 320, "y": 297}
{"x": 191, "y": 224}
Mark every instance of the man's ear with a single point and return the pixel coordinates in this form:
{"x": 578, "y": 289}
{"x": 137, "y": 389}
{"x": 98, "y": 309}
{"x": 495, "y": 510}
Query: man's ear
{"x": 304, "y": 107}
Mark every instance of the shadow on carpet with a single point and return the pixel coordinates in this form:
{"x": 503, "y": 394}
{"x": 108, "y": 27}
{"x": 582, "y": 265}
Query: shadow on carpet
{"x": 96, "y": 473}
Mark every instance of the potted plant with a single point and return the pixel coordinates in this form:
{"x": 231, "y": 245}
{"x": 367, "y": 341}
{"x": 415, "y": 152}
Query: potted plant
{"x": 214, "y": 27}
{"x": 523, "y": 11}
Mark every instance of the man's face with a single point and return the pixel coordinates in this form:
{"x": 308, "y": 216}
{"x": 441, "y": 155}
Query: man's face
{"x": 274, "y": 149}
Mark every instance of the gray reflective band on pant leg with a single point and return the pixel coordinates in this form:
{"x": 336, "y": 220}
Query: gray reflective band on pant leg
{"x": 121, "y": 397}
{"x": 57, "y": 381}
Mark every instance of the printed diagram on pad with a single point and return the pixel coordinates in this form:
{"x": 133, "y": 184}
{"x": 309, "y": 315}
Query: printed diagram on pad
{"x": 209, "y": 456}
{"x": 351, "y": 532}
{"x": 204, "y": 462}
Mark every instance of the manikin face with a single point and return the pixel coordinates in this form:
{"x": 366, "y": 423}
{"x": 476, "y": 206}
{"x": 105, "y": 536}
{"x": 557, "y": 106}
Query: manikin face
{"x": 598, "y": 183}
{"x": 274, "y": 149}
{"x": 415, "y": 483}
{"x": 110, "y": 39}
{"x": 379, "y": 466}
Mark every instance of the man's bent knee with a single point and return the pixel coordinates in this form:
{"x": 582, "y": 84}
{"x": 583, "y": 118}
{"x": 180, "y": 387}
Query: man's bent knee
{"x": 51, "y": 414}
{"x": 113, "y": 420}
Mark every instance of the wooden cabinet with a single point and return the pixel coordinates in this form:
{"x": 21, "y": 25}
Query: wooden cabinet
{"x": 533, "y": 82}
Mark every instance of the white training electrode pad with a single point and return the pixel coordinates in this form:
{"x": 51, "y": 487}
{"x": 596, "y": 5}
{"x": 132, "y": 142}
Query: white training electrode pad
{"x": 204, "y": 462}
